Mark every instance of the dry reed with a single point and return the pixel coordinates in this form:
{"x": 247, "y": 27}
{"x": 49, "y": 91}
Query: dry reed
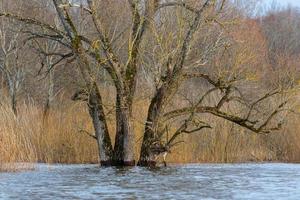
{"x": 61, "y": 138}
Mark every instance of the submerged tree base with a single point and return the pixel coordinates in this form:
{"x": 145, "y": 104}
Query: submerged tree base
{"x": 144, "y": 163}
{"x": 147, "y": 163}
{"x": 118, "y": 163}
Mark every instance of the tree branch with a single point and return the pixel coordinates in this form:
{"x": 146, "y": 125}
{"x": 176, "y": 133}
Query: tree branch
{"x": 31, "y": 21}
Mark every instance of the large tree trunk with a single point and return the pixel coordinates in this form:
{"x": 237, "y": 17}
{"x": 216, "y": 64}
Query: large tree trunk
{"x": 147, "y": 155}
{"x": 124, "y": 151}
{"x": 100, "y": 132}
{"x": 100, "y": 127}
{"x": 129, "y": 137}
{"x": 151, "y": 146}
{"x": 118, "y": 156}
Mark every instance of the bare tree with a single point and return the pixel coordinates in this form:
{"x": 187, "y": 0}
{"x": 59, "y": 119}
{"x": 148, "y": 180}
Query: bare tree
{"x": 12, "y": 64}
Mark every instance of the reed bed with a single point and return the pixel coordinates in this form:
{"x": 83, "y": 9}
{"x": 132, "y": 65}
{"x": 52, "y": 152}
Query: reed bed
{"x": 60, "y": 137}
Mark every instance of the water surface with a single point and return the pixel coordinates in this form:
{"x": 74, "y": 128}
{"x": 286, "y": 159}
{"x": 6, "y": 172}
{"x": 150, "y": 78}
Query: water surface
{"x": 203, "y": 181}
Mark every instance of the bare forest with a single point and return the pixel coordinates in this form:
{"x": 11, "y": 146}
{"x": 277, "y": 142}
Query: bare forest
{"x": 146, "y": 82}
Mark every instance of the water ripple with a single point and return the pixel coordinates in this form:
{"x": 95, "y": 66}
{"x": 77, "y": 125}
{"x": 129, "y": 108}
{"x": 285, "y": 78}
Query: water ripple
{"x": 220, "y": 181}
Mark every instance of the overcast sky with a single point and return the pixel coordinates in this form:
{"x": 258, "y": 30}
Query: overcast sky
{"x": 286, "y": 2}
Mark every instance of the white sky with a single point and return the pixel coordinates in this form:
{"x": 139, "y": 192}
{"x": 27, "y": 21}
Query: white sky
{"x": 286, "y": 2}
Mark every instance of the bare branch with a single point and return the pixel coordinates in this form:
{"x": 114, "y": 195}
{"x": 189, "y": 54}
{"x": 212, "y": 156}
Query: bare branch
{"x": 180, "y": 4}
{"x": 31, "y": 21}
{"x": 88, "y": 133}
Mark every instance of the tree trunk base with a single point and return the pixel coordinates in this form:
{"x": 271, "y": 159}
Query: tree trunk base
{"x": 118, "y": 163}
{"x": 147, "y": 163}
{"x": 129, "y": 163}
{"x": 105, "y": 163}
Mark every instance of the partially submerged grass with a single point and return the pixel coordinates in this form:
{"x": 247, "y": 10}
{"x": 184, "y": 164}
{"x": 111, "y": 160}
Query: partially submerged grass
{"x": 61, "y": 138}
{"x": 16, "y": 167}
{"x": 31, "y": 138}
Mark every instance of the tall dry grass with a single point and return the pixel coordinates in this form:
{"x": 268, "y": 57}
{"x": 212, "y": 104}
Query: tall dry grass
{"x": 15, "y": 139}
{"x": 30, "y": 138}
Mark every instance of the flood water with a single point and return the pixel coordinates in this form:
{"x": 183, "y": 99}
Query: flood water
{"x": 203, "y": 181}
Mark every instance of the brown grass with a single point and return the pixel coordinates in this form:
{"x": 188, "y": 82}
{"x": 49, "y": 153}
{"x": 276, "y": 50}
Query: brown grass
{"x": 29, "y": 138}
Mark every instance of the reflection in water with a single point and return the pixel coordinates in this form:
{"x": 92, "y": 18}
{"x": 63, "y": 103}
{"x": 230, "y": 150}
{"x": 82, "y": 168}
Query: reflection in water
{"x": 237, "y": 181}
